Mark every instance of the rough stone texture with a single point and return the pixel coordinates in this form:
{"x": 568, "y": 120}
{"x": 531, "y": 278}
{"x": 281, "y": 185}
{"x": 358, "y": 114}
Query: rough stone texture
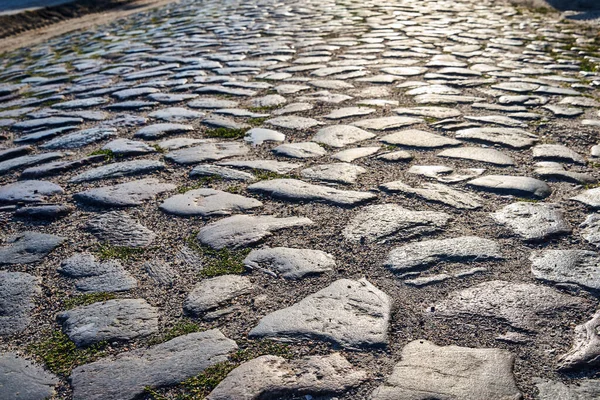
{"x": 208, "y": 202}
{"x": 119, "y": 229}
{"x": 341, "y": 135}
{"x": 244, "y": 230}
{"x": 555, "y": 152}
{"x": 420, "y": 139}
{"x": 223, "y": 172}
{"x": 585, "y": 352}
{"x": 427, "y": 371}
{"x": 20, "y": 379}
{"x": 390, "y": 222}
{"x": 30, "y": 191}
{"x": 273, "y": 376}
{"x": 212, "y": 293}
{"x": 122, "y": 319}
{"x": 584, "y": 389}
{"x": 296, "y": 190}
{"x": 589, "y": 197}
{"x": 337, "y": 172}
{"x": 350, "y": 313}
{"x": 300, "y": 150}
{"x": 521, "y": 305}
{"x": 17, "y": 291}
{"x": 513, "y": 185}
{"x": 490, "y": 156}
{"x": 116, "y": 170}
{"x": 579, "y": 267}
{"x": 533, "y": 221}
{"x": 28, "y": 247}
{"x": 590, "y": 229}
{"x": 97, "y": 276}
{"x": 290, "y": 263}
{"x": 128, "y": 194}
{"x": 461, "y": 249}
{"x": 438, "y": 193}
{"x": 207, "y": 152}
{"x": 165, "y": 364}
{"x": 511, "y": 137}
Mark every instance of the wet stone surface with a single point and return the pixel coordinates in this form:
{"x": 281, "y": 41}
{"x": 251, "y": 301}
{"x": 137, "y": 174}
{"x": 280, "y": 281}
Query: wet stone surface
{"x": 370, "y": 200}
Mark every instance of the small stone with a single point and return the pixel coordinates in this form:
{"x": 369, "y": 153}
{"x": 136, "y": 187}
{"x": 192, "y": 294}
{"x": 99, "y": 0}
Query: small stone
{"x": 341, "y": 135}
{"x": 300, "y": 150}
{"x": 214, "y": 292}
{"x": 273, "y": 376}
{"x": 533, "y": 221}
{"x": 126, "y": 194}
{"x": 29, "y": 191}
{"x": 490, "y": 156}
{"x": 419, "y": 139}
{"x": 24, "y": 380}
{"x": 118, "y": 169}
{"x": 122, "y": 319}
{"x": 208, "y": 202}
{"x": 97, "y": 276}
{"x": 28, "y": 247}
{"x": 511, "y": 137}
{"x": 207, "y": 152}
{"x": 118, "y": 229}
{"x": 555, "y": 152}
{"x": 221, "y": 172}
{"x": 353, "y": 314}
{"x": 243, "y": 230}
{"x": 290, "y": 263}
{"x": 161, "y": 273}
{"x": 427, "y": 371}
{"x": 338, "y": 172}
{"x": 17, "y": 292}
{"x": 512, "y": 185}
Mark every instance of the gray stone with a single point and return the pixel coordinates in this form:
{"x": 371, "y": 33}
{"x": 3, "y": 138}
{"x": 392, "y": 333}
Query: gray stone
{"x": 348, "y": 112}
{"x": 420, "y": 139}
{"x": 490, "y": 156}
{"x": 118, "y": 169}
{"x": 28, "y": 247}
{"x": 350, "y": 313}
{"x": 39, "y": 123}
{"x": 399, "y": 155}
{"x": 293, "y": 122}
{"x": 126, "y": 194}
{"x": 437, "y": 192}
{"x": 117, "y": 228}
{"x": 44, "y": 211}
{"x": 300, "y": 150}
{"x": 17, "y": 291}
{"x": 244, "y": 230}
{"x": 296, "y": 190}
{"x": 215, "y": 292}
{"x": 565, "y": 112}
{"x": 80, "y": 138}
{"x": 590, "y": 229}
{"x": 290, "y": 263}
{"x": 271, "y": 100}
{"x": 58, "y": 167}
{"x": 341, "y": 135}
{"x": 338, "y": 172}
{"x": 556, "y": 171}
{"x": 446, "y": 99}
{"x": 161, "y": 273}
{"x": 513, "y": 185}
{"x": 555, "y": 152}
{"x": 21, "y": 379}
{"x": 350, "y": 155}
{"x": 273, "y": 376}
{"x": 589, "y": 197}
{"x": 209, "y": 103}
{"x": 497, "y": 120}
{"x": 26, "y": 161}
{"x": 579, "y": 267}
{"x": 178, "y": 143}
{"x": 533, "y": 221}
{"x": 207, "y": 152}
{"x": 97, "y": 276}
{"x": 584, "y": 389}
{"x": 176, "y": 114}
{"x": 127, "y": 147}
{"x": 159, "y": 130}
{"x": 208, "y": 202}
{"x": 520, "y": 305}
{"x": 121, "y": 319}
{"x": 7, "y": 154}
{"x": 390, "y": 222}
{"x": 461, "y": 249}
{"x": 585, "y": 352}
{"x": 511, "y": 137}
{"x": 279, "y": 167}
{"x": 223, "y": 122}
{"x": 427, "y": 280}
{"x": 427, "y": 371}
{"x": 431, "y": 112}
{"x": 126, "y": 376}
{"x": 260, "y": 135}
{"x": 30, "y": 191}
{"x": 385, "y": 123}
{"x": 221, "y": 172}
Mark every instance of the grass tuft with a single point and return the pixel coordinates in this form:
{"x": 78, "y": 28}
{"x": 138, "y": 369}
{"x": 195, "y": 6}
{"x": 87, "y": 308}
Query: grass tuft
{"x": 263, "y": 175}
{"x": 86, "y": 299}
{"x": 106, "y": 252}
{"x": 201, "y": 183}
{"x": 257, "y": 121}
{"x": 219, "y": 262}
{"x": 179, "y": 329}
{"x": 108, "y": 154}
{"x": 226, "y": 133}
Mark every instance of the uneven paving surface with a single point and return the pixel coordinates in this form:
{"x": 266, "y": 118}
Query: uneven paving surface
{"x": 336, "y": 199}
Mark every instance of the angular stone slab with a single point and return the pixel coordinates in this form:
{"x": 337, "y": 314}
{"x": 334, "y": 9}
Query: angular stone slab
{"x": 207, "y": 152}
{"x": 585, "y": 352}
{"x": 389, "y": 222}
{"x": 80, "y": 139}
{"x": 26, "y": 161}
{"x": 555, "y": 152}
{"x": 427, "y": 371}
{"x": 118, "y": 169}
{"x": 290, "y": 263}
{"x": 121, "y": 319}
{"x": 97, "y": 276}
{"x": 126, "y": 194}
{"x": 341, "y": 135}
{"x": 419, "y": 139}
{"x": 439, "y": 193}
{"x": 385, "y": 123}
{"x": 584, "y": 389}
{"x": 221, "y": 172}
{"x": 579, "y": 267}
{"x": 30, "y": 191}
{"x": 260, "y": 135}
{"x": 513, "y": 185}
{"x": 520, "y": 305}
{"x": 511, "y": 137}
{"x": 17, "y": 291}
{"x": 293, "y": 122}
{"x": 127, "y": 147}
{"x": 589, "y": 197}
{"x": 300, "y": 150}
{"x": 214, "y": 292}
{"x": 353, "y": 314}
{"x": 127, "y": 375}
{"x": 337, "y": 172}
{"x": 244, "y": 230}
{"x": 461, "y": 249}
{"x": 159, "y": 130}
{"x": 118, "y": 229}
{"x": 28, "y": 247}
{"x": 21, "y": 379}
{"x": 296, "y": 190}
{"x": 273, "y": 376}
{"x": 490, "y": 156}
{"x": 533, "y": 221}
{"x": 279, "y": 167}
{"x": 350, "y": 155}
{"x": 208, "y": 202}
{"x": 590, "y": 229}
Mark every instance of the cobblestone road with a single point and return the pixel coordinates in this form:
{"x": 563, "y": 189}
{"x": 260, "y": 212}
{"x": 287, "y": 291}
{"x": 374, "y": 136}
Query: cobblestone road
{"x": 303, "y": 200}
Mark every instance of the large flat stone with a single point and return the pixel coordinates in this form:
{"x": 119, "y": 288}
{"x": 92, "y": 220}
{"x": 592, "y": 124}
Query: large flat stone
{"x": 17, "y": 292}
{"x": 29, "y": 191}
{"x": 533, "y": 221}
{"x": 590, "y": 197}
{"x": 207, "y": 152}
{"x": 579, "y": 267}
{"x": 28, "y": 247}
{"x": 585, "y": 352}
{"x": 439, "y": 193}
{"x": 214, "y": 292}
{"x": 119, "y": 229}
{"x": 21, "y": 379}
{"x": 511, "y": 137}
{"x": 419, "y": 139}
{"x": 290, "y": 263}
{"x": 127, "y": 375}
{"x": 208, "y": 202}
{"x": 353, "y": 314}
{"x": 341, "y": 135}
{"x": 585, "y": 389}
{"x": 127, "y": 194}
{"x": 490, "y": 156}
{"x": 427, "y": 371}
{"x": 513, "y": 185}
{"x": 118, "y": 169}
{"x": 97, "y": 276}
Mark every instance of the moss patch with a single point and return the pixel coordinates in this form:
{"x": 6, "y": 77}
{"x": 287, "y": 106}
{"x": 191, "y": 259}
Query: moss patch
{"x": 263, "y": 175}
{"x": 219, "y": 262}
{"x": 86, "y": 299}
{"x": 109, "y": 155}
{"x": 226, "y": 133}
{"x": 179, "y": 329}
{"x": 106, "y": 252}
{"x": 257, "y": 121}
